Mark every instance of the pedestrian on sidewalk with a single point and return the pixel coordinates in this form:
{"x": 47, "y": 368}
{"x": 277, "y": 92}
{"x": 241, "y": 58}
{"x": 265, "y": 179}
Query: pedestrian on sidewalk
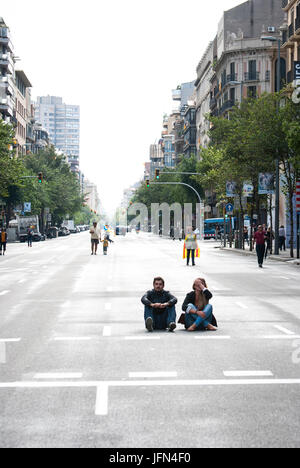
{"x": 29, "y": 236}
{"x": 3, "y": 241}
{"x": 105, "y": 245}
{"x": 160, "y": 311}
{"x": 282, "y": 238}
{"x": 246, "y": 236}
{"x": 260, "y": 241}
{"x": 270, "y": 236}
{"x": 198, "y": 311}
{"x": 95, "y": 238}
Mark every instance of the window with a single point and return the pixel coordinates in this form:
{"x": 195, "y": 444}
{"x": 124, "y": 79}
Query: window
{"x": 252, "y": 92}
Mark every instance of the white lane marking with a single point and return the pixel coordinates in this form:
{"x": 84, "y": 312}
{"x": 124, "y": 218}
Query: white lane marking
{"x": 141, "y": 338}
{"x": 102, "y": 400}
{"x": 248, "y": 374}
{"x": 241, "y": 305}
{"x": 108, "y": 306}
{"x": 72, "y": 338}
{"x": 279, "y": 337}
{"x": 107, "y": 331}
{"x": 150, "y": 383}
{"x": 22, "y": 281}
{"x": 224, "y": 337}
{"x": 284, "y": 277}
{"x": 58, "y": 375}
{"x": 10, "y": 340}
{"x": 284, "y": 330}
{"x": 152, "y": 375}
{"x": 2, "y": 293}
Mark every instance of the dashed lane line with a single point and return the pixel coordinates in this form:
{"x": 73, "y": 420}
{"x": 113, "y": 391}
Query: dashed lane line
{"x": 3, "y": 293}
{"x": 58, "y": 375}
{"x": 284, "y": 330}
{"x": 10, "y": 340}
{"x": 248, "y": 374}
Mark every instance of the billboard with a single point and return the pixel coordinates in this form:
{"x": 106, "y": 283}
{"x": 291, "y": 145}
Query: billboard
{"x": 266, "y": 184}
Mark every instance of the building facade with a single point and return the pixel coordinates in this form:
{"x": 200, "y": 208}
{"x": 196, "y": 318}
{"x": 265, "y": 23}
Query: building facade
{"x": 7, "y": 70}
{"x": 291, "y": 35}
{"x": 62, "y": 122}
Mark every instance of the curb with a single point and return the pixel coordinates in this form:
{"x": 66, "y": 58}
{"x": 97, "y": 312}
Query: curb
{"x": 246, "y": 253}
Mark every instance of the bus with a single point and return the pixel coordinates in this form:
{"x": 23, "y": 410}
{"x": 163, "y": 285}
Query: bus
{"x": 210, "y": 226}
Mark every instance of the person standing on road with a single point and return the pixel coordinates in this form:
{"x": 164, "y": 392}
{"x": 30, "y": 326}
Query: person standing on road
{"x": 260, "y": 241}
{"x": 191, "y": 247}
{"x": 29, "y": 236}
{"x": 198, "y": 311}
{"x": 3, "y": 241}
{"x": 246, "y": 235}
{"x": 160, "y": 312}
{"x": 282, "y": 238}
{"x": 105, "y": 245}
{"x": 95, "y": 238}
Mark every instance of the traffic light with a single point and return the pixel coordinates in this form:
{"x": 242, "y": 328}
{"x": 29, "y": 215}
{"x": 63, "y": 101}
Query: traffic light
{"x": 157, "y": 172}
{"x": 147, "y": 183}
{"x": 40, "y": 178}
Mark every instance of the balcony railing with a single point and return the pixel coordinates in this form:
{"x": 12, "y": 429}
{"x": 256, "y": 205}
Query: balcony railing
{"x": 231, "y": 77}
{"x": 289, "y": 76}
{"x": 285, "y": 3}
{"x": 291, "y": 30}
{"x": 284, "y": 37}
{"x": 213, "y": 103}
{"x": 297, "y": 24}
{"x": 227, "y": 105}
{"x": 253, "y": 76}
{"x": 268, "y": 75}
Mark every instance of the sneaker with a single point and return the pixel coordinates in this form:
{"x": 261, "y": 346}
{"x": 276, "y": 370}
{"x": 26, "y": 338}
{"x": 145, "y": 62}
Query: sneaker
{"x": 260, "y": 266}
{"x": 149, "y": 324}
{"x": 172, "y": 326}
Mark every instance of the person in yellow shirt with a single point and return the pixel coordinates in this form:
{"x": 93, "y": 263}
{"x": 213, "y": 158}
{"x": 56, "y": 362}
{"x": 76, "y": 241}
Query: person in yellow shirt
{"x": 3, "y": 241}
{"x": 105, "y": 245}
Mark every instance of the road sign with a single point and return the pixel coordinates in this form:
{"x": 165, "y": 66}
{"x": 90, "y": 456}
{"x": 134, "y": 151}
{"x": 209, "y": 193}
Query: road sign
{"x": 27, "y": 207}
{"x": 229, "y": 208}
{"x": 298, "y": 197}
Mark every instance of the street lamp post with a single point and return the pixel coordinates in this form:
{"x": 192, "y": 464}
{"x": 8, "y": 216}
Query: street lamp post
{"x": 277, "y": 183}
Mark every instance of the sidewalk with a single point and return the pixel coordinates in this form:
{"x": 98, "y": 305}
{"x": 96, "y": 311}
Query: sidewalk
{"x": 283, "y": 257}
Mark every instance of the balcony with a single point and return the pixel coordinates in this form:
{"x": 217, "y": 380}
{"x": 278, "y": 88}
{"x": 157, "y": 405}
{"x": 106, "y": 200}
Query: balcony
{"x": 227, "y": 105}
{"x": 213, "y": 103}
{"x": 253, "y": 76}
{"x": 6, "y": 107}
{"x": 232, "y": 77}
{"x": 176, "y": 94}
{"x": 297, "y": 25}
{"x": 268, "y": 75}
{"x": 6, "y": 85}
{"x": 287, "y": 4}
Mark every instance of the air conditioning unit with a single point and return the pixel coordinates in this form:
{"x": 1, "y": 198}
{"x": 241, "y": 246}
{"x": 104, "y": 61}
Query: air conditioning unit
{"x": 271, "y": 29}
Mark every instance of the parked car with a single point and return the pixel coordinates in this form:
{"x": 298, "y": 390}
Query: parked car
{"x": 37, "y": 237}
{"x": 63, "y": 232}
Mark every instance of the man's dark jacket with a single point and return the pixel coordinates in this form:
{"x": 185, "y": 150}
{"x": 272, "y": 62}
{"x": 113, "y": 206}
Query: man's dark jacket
{"x": 154, "y": 297}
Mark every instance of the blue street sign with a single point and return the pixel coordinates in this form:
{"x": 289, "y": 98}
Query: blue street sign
{"x": 229, "y": 208}
{"x": 27, "y": 207}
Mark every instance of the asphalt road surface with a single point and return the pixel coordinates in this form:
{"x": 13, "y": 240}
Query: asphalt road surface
{"x": 78, "y": 369}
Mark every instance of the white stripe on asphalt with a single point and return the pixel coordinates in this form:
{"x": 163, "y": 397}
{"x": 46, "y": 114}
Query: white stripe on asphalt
{"x": 72, "y": 338}
{"x": 59, "y": 375}
{"x": 108, "y": 306}
{"x": 150, "y": 383}
{"x": 22, "y": 281}
{"x": 4, "y": 292}
{"x": 224, "y": 337}
{"x": 279, "y": 337}
{"x": 284, "y": 330}
{"x": 102, "y": 400}
{"x": 248, "y": 374}
{"x": 152, "y": 375}
{"x": 107, "y": 331}
{"x": 10, "y": 340}
{"x": 284, "y": 277}
{"x": 141, "y": 338}
{"x": 241, "y": 305}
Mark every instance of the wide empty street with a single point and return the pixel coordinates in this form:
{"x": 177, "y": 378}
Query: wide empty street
{"x": 78, "y": 368}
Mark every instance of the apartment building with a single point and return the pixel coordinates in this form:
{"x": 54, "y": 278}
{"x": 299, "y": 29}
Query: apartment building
{"x": 62, "y": 121}
{"x": 291, "y": 35}
{"x": 7, "y": 69}
{"x": 23, "y": 112}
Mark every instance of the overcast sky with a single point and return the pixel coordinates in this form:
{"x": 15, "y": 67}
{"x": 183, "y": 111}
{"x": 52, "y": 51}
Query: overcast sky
{"x": 119, "y": 60}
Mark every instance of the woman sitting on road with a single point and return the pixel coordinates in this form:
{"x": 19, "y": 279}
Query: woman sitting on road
{"x": 198, "y": 311}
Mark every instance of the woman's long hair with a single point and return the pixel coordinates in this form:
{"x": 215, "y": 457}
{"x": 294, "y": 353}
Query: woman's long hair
{"x": 202, "y": 281}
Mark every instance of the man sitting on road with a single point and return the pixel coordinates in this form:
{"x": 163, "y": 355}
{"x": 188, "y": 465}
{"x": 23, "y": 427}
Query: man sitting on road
{"x": 95, "y": 238}
{"x": 160, "y": 312}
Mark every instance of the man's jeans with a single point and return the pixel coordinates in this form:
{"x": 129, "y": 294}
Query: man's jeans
{"x": 161, "y": 317}
{"x": 260, "y": 250}
{"x": 201, "y": 323}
